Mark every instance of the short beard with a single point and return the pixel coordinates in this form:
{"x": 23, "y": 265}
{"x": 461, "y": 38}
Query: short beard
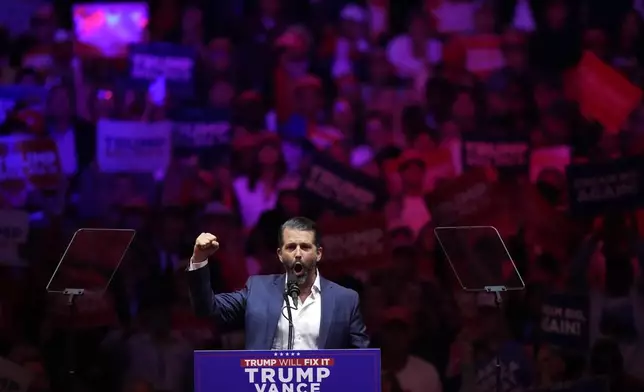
{"x": 306, "y": 272}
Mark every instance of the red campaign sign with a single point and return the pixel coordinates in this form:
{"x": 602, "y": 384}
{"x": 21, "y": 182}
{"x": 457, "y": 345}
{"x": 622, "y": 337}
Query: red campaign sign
{"x": 484, "y": 54}
{"x": 42, "y": 164}
{"x": 354, "y": 244}
{"x": 33, "y": 161}
{"x": 603, "y": 93}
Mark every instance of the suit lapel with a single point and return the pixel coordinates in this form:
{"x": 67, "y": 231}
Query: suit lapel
{"x": 275, "y": 303}
{"x": 328, "y": 310}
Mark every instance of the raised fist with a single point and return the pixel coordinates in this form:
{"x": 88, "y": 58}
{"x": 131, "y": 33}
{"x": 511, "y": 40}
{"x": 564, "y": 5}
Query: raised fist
{"x": 205, "y": 245}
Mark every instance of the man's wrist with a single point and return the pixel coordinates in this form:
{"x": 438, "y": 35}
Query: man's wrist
{"x": 195, "y": 265}
{"x": 198, "y": 260}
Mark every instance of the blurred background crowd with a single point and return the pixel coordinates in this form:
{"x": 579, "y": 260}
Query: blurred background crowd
{"x": 381, "y": 119}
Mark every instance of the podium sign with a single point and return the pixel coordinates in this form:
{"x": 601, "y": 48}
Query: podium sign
{"x": 288, "y": 371}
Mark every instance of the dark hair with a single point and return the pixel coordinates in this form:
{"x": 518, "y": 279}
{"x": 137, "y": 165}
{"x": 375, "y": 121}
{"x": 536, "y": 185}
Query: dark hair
{"x": 299, "y": 223}
{"x": 256, "y": 168}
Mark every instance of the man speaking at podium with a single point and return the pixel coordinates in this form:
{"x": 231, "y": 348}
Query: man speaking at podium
{"x": 325, "y": 315}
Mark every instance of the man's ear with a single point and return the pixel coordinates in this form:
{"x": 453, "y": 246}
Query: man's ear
{"x": 279, "y": 254}
{"x": 319, "y": 253}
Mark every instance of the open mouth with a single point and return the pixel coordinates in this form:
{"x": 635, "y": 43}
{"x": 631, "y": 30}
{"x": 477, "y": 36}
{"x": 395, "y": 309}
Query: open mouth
{"x": 298, "y": 269}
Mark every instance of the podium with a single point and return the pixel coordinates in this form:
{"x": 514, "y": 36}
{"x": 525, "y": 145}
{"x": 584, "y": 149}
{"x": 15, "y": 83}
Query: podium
{"x": 288, "y": 371}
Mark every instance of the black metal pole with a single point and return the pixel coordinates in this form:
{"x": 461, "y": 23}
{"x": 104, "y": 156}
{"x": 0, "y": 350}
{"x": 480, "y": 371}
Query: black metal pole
{"x": 290, "y": 322}
{"x": 497, "y": 364}
{"x": 70, "y": 344}
{"x": 70, "y": 339}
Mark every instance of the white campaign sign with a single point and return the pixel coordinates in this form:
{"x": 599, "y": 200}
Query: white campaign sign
{"x": 133, "y": 147}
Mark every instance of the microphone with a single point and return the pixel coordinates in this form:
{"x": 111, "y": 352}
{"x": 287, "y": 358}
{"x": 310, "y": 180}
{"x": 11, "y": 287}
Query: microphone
{"x": 292, "y": 289}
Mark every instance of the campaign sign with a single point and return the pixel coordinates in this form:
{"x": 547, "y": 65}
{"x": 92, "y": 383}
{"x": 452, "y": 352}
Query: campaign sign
{"x": 484, "y": 54}
{"x": 42, "y": 164}
{"x": 31, "y": 161}
{"x": 175, "y": 63}
{"x": 200, "y": 128}
{"x": 356, "y": 243}
{"x": 564, "y": 321}
{"x": 202, "y": 132}
{"x": 596, "y": 187}
{"x": 288, "y": 371}
{"x": 200, "y": 135}
{"x": 133, "y": 146}
{"x": 345, "y": 189}
{"x": 594, "y": 384}
{"x": 461, "y": 201}
{"x": 509, "y": 156}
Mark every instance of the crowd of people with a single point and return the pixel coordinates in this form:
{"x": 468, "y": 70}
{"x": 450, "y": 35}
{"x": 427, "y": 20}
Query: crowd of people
{"x": 370, "y": 116}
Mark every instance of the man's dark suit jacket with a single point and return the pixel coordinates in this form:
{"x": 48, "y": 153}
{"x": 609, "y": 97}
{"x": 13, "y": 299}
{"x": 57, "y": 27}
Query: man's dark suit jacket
{"x": 258, "y": 307}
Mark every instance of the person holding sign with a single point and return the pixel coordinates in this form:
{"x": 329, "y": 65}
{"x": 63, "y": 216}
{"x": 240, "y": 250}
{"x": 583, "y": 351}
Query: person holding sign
{"x": 324, "y": 315}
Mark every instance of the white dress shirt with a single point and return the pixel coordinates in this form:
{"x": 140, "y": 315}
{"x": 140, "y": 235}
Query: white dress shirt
{"x": 306, "y": 322}
{"x": 307, "y": 318}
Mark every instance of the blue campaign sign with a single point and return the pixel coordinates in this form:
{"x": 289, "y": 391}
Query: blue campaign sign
{"x": 613, "y": 185}
{"x": 507, "y": 155}
{"x": 329, "y": 183}
{"x": 198, "y": 129}
{"x": 206, "y": 133}
{"x": 288, "y": 371}
{"x": 564, "y": 320}
{"x": 175, "y": 63}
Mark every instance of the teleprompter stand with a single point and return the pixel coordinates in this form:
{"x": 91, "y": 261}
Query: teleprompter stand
{"x": 87, "y": 267}
{"x": 481, "y": 262}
